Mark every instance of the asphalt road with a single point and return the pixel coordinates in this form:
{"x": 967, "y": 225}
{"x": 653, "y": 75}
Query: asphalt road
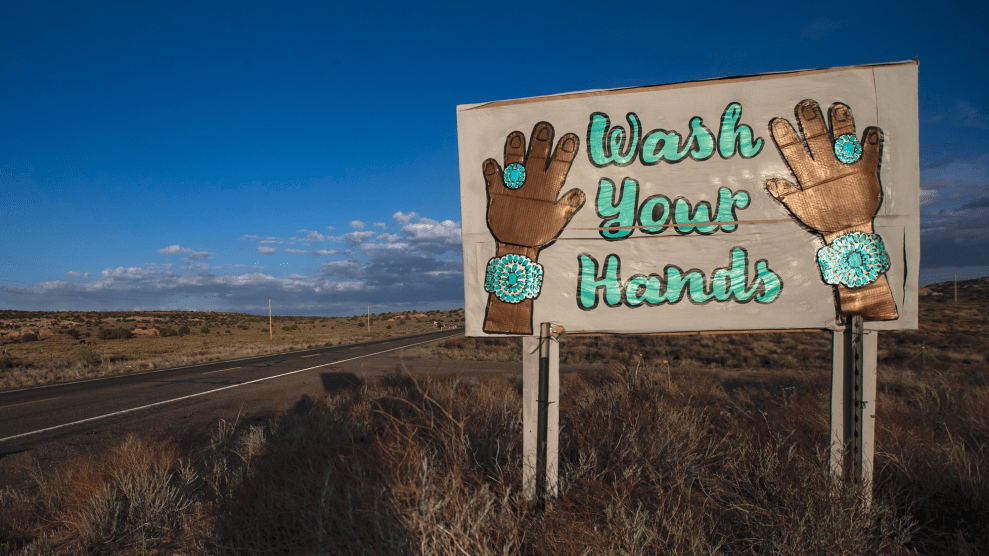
{"x": 51, "y": 422}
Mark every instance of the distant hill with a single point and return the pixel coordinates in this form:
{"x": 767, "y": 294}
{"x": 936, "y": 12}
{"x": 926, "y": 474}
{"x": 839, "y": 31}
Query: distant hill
{"x": 977, "y": 288}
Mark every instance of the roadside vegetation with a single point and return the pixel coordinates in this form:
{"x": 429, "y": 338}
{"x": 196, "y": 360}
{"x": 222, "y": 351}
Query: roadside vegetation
{"x": 43, "y": 347}
{"x": 666, "y": 449}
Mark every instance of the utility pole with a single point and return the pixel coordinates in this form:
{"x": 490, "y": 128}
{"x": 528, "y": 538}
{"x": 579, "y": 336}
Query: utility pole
{"x": 271, "y": 335}
{"x": 368, "y": 317}
{"x": 956, "y": 287}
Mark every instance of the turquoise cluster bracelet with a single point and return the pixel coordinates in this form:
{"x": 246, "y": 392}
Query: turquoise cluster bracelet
{"x": 853, "y": 260}
{"x": 513, "y": 278}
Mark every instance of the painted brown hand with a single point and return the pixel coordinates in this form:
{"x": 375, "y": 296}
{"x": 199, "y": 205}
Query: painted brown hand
{"x": 833, "y": 196}
{"x": 529, "y": 215}
{"x": 838, "y": 192}
{"x": 525, "y": 213}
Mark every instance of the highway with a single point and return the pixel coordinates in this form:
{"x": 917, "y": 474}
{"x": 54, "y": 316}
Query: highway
{"x": 170, "y": 400}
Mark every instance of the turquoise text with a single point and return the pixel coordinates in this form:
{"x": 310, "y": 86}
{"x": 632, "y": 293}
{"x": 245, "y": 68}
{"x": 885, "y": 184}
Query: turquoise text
{"x": 732, "y": 282}
{"x": 607, "y": 144}
{"x": 620, "y": 208}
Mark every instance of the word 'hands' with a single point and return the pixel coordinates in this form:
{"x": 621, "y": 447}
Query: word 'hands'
{"x": 523, "y": 208}
{"x": 838, "y": 177}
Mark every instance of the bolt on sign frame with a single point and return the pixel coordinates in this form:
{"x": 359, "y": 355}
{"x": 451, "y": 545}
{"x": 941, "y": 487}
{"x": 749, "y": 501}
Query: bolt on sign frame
{"x": 774, "y": 202}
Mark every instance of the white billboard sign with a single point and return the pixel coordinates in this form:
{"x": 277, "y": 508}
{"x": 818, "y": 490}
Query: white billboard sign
{"x": 780, "y": 201}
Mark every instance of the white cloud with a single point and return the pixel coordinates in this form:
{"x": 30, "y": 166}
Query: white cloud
{"x": 200, "y": 256}
{"x": 320, "y": 253}
{"x": 130, "y": 273}
{"x": 404, "y": 218}
{"x": 193, "y": 255}
{"x": 416, "y": 266}
{"x": 173, "y": 249}
{"x": 357, "y": 238}
{"x": 376, "y": 246}
{"x": 380, "y": 225}
{"x": 928, "y": 197}
{"x": 310, "y": 235}
{"x": 357, "y": 224}
{"x": 196, "y": 266}
{"x": 341, "y": 269}
{"x": 447, "y": 231}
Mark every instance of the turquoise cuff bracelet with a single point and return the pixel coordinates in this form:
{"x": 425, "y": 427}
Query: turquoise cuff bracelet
{"x": 853, "y": 260}
{"x": 513, "y": 278}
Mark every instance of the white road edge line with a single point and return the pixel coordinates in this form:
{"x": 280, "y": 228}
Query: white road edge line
{"x": 205, "y": 364}
{"x": 208, "y": 392}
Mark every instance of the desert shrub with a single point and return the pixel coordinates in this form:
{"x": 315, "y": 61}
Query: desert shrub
{"x": 290, "y": 328}
{"x": 85, "y": 357}
{"x": 166, "y": 331}
{"x": 388, "y": 327}
{"x": 457, "y": 342}
{"x": 204, "y": 330}
{"x": 113, "y": 333}
{"x": 783, "y": 361}
{"x": 74, "y": 333}
{"x": 29, "y": 337}
{"x": 184, "y": 330}
{"x": 9, "y": 362}
{"x": 432, "y": 467}
{"x": 133, "y": 499}
{"x": 245, "y": 327}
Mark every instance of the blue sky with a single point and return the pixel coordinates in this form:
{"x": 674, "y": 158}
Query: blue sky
{"x": 214, "y": 155}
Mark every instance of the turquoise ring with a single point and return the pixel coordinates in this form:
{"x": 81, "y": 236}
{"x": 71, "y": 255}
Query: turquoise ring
{"x": 514, "y": 175}
{"x": 847, "y": 149}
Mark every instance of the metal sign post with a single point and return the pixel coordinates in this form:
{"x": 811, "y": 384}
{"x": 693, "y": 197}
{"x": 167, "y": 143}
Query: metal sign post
{"x": 540, "y": 413}
{"x": 853, "y": 403}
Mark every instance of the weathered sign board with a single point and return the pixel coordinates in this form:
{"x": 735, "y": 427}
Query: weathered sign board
{"x": 768, "y": 202}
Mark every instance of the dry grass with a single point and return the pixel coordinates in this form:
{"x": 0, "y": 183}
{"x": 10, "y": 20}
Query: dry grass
{"x": 694, "y": 461}
{"x": 729, "y": 351}
{"x": 60, "y": 356}
{"x": 703, "y": 464}
{"x": 136, "y": 498}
